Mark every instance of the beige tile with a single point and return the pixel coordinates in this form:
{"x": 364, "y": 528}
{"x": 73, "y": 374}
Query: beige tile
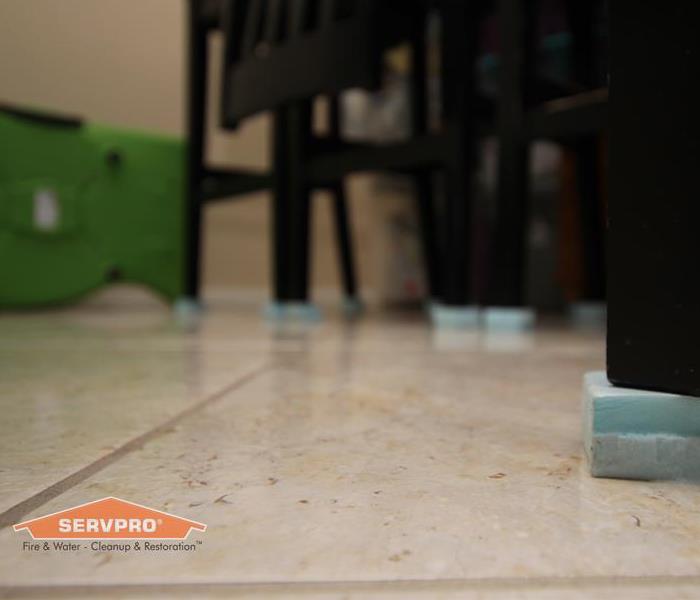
{"x": 379, "y": 452}
{"x": 496, "y": 589}
{"x": 73, "y": 390}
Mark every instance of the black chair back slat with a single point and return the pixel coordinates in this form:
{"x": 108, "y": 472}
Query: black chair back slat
{"x": 327, "y": 12}
{"x": 233, "y": 20}
{"x": 275, "y": 21}
{"x": 337, "y": 10}
{"x": 367, "y": 7}
{"x": 296, "y": 49}
{"x": 345, "y": 9}
{"x": 233, "y": 17}
{"x": 300, "y": 16}
{"x": 252, "y": 33}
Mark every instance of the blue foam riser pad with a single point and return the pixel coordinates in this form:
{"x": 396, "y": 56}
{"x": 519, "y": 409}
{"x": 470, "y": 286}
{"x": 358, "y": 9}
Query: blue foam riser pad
{"x": 454, "y": 317}
{"x": 509, "y": 319}
{"x": 187, "y": 307}
{"x": 292, "y": 311}
{"x": 637, "y": 434}
{"x": 352, "y": 307}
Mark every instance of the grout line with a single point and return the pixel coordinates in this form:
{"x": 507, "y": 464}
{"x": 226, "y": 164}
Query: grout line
{"x": 18, "y": 511}
{"x": 231, "y": 589}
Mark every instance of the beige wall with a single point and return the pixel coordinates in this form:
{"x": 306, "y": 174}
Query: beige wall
{"x": 122, "y": 62}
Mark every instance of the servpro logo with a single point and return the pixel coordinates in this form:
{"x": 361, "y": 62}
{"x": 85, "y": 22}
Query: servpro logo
{"x": 110, "y": 519}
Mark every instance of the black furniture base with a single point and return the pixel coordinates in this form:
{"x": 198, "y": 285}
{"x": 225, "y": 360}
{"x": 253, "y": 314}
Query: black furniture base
{"x": 653, "y": 286}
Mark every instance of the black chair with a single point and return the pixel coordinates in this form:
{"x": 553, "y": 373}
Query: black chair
{"x": 573, "y": 116}
{"x": 279, "y": 55}
{"x": 271, "y": 63}
{"x": 205, "y": 184}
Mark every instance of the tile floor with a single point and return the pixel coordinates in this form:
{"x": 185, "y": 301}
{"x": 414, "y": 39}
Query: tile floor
{"x": 375, "y": 459}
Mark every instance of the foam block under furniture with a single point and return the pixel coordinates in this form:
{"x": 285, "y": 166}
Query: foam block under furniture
{"x": 638, "y": 434}
{"x": 352, "y": 307}
{"x": 292, "y": 312}
{"x": 509, "y": 319}
{"x": 454, "y": 317}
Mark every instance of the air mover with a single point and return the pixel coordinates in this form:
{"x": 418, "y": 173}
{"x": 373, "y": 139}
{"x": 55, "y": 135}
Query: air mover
{"x": 83, "y": 205}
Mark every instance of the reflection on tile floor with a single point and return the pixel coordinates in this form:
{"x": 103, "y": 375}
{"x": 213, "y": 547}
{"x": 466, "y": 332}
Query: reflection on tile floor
{"x": 434, "y": 465}
{"x": 71, "y": 394}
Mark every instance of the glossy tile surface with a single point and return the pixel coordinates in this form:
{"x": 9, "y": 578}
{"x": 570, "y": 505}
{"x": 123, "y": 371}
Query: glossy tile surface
{"x": 375, "y": 459}
{"x": 75, "y": 387}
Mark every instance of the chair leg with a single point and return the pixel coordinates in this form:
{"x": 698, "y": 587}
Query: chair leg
{"x": 508, "y": 256}
{"x": 196, "y": 118}
{"x": 591, "y": 208}
{"x": 291, "y": 205}
{"x": 280, "y": 209}
{"x": 343, "y": 231}
{"x": 300, "y": 202}
{"x": 427, "y": 223}
{"x": 425, "y": 201}
{"x": 456, "y": 229}
{"x": 300, "y": 243}
{"x": 343, "y": 226}
{"x": 458, "y": 55}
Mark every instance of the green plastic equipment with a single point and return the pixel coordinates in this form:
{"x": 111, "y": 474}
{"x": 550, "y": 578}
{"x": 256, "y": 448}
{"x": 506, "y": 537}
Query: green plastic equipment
{"x": 83, "y": 205}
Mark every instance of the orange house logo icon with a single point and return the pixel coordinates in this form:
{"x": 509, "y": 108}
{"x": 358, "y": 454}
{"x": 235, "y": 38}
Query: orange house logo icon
{"x": 110, "y": 519}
